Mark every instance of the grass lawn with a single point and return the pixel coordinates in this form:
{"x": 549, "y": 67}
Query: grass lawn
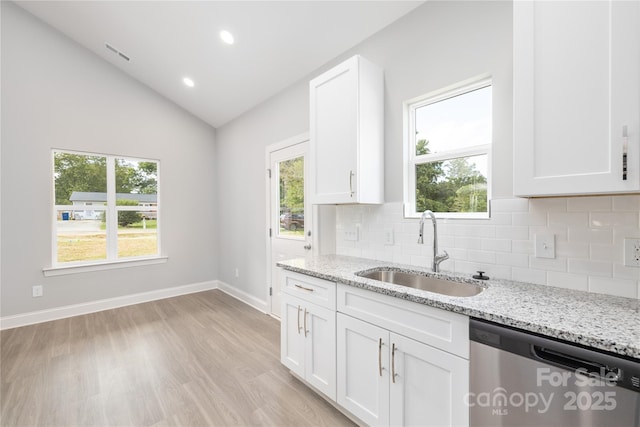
{"x": 84, "y": 247}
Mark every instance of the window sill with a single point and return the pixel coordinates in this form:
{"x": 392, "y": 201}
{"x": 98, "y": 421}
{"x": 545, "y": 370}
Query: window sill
{"x": 107, "y": 265}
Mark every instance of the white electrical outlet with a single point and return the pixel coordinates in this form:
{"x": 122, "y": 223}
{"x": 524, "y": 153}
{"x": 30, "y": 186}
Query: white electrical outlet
{"x": 237, "y": 272}
{"x": 632, "y": 251}
{"x": 351, "y": 234}
{"x": 388, "y": 236}
{"x": 37, "y": 291}
{"x": 545, "y": 246}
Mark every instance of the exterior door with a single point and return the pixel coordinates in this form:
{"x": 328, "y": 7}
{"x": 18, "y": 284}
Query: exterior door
{"x": 289, "y": 211}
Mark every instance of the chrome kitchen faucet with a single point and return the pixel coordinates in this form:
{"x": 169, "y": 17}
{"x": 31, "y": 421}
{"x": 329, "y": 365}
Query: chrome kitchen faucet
{"x": 437, "y": 259}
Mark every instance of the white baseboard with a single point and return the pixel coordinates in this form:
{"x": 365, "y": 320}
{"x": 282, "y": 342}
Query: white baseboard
{"x": 246, "y": 298}
{"x": 25, "y": 319}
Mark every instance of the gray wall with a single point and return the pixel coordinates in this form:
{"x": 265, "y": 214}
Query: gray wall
{"x": 56, "y": 94}
{"x": 438, "y": 44}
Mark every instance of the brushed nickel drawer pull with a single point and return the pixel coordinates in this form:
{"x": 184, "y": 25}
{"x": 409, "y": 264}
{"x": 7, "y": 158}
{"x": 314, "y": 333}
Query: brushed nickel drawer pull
{"x": 305, "y": 322}
{"x": 380, "y": 356}
{"x": 393, "y": 363}
{"x": 302, "y": 287}
{"x": 299, "y": 308}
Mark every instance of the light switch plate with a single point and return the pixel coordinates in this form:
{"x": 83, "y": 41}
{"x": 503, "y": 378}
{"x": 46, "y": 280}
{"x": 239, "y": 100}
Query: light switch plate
{"x": 545, "y": 246}
{"x": 351, "y": 234}
{"x": 388, "y": 236}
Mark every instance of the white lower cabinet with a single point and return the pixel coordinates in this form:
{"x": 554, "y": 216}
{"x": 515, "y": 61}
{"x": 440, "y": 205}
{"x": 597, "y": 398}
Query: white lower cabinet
{"x": 308, "y": 341}
{"x": 429, "y": 386}
{"x": 385, "y": 360}
{"x": 388, "y": 379}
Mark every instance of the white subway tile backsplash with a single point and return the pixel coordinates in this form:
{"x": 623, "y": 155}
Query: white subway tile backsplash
{"x": 621, "y": 271}
{"x": 483, "y": 257}
{"x": 561, "y": 232}
{"x": 468, "y": 242}
{"x": 538, "y": 277}
{"x": 566, "y": 219}
{"x": 509, "y": 205}
{"x": 568, "y": 280}
{"x": 548, "y": 264}
{"x": 572, "y": 250}
{"x": 590, "y": 267}
{"x": 497, "y": 245}
{"x": 626, "y": 203}
{"x": 481, "y": 231}
{"x": 589, "y": 204}
{"x": 500, "y": 218}
{"x": 612, "y": 253}
{"x": 589, "y": 233}
{"x": 548, "y": 205}
{"x": 623, "y": 288}
{"x": 512, "y": 259}
{"x": 523, "y": 246}
{"x": 512, "y": 232}
{"x": 529, "y": 218}
{"x": 614, "y": 219}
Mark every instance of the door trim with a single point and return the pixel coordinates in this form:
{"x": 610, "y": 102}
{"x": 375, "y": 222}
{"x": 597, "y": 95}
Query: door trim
{"x": 298, "y": 139}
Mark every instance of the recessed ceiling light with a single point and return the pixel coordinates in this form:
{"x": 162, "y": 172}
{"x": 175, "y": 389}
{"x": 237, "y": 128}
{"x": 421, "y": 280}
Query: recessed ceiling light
{"x": 226, "y": 37}
{"x": 187, "y": 81}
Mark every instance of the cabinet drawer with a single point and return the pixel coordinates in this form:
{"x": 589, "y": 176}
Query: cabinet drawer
{"x": 318, "y": 291}
{"x": 438, "y": 328}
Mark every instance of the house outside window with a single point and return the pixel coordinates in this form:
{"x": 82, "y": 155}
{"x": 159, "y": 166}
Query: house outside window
{"x": 105, "y": 208}
{"x": 448, "y": 151}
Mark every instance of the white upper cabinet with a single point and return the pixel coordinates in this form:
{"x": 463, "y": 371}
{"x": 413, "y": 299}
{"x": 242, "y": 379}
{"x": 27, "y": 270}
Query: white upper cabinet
{"x": 576, "y": 97}
{"x": 346, "y": 134}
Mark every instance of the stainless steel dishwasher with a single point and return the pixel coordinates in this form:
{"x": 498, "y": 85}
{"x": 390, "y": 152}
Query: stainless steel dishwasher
{"x": 522, "y": 379}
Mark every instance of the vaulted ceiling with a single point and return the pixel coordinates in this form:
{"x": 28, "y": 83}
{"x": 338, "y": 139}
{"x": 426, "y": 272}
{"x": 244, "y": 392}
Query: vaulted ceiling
{"x": 276, "y": 43}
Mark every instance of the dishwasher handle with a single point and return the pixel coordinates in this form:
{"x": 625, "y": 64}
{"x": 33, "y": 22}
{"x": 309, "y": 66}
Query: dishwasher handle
{"x": 577, "y": 364}
{"x": 620, "y": 370}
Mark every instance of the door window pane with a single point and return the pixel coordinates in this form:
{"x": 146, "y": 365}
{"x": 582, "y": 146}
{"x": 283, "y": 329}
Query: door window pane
{"x": 291, "y": 197}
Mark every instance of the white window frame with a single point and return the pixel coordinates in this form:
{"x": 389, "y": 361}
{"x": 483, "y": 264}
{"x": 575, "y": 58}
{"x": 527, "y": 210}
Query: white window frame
{"x": 411, "y": 159}
{"x": 112, "y": 260}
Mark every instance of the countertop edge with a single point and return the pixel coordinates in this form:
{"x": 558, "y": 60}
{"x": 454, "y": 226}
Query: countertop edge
{"x": 628, "y": 350}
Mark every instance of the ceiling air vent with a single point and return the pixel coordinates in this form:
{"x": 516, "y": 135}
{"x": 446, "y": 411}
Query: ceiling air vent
{"x": 117, "y": 52}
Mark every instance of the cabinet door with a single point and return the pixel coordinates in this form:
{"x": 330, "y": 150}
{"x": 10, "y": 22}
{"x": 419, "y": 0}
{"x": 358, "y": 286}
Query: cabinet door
{"x": 363, "y": 370}
{"x": 576, "y": 85}
{"x": 429, "y": 385}
{"x": 320, "y": 348}
{"x": 333, "y": 134}
{"x": 291, "y": 334}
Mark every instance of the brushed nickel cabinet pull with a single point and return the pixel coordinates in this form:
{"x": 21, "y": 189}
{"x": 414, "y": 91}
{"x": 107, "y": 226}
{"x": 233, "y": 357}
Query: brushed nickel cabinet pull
{"x": 304, "y": 288}
{"x": 393, "y": 363}
{"x": 299, "y": 308}
{"x": 625, "y": 149}
{"x": 305, "y": 322}
{"x": 351, "y": 174}
{"x": 380, "y": 356}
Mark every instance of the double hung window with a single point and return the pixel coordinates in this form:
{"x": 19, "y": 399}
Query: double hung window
{"x": 447, "y": 151}
{"x": 105, "y": 208}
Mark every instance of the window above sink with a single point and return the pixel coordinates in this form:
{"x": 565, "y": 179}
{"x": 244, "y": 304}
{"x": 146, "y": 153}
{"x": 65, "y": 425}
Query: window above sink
{"x": 447, "y": 151}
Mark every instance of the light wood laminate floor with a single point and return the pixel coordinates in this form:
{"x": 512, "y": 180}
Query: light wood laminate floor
{"x": 199, "y": 359}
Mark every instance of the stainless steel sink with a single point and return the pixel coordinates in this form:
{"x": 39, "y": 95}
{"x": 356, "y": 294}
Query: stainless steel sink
{"x": 423, "y": 282}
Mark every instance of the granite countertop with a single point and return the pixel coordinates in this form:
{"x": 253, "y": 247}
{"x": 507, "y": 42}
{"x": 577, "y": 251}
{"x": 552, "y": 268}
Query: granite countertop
{"x": 600, "y": 321}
